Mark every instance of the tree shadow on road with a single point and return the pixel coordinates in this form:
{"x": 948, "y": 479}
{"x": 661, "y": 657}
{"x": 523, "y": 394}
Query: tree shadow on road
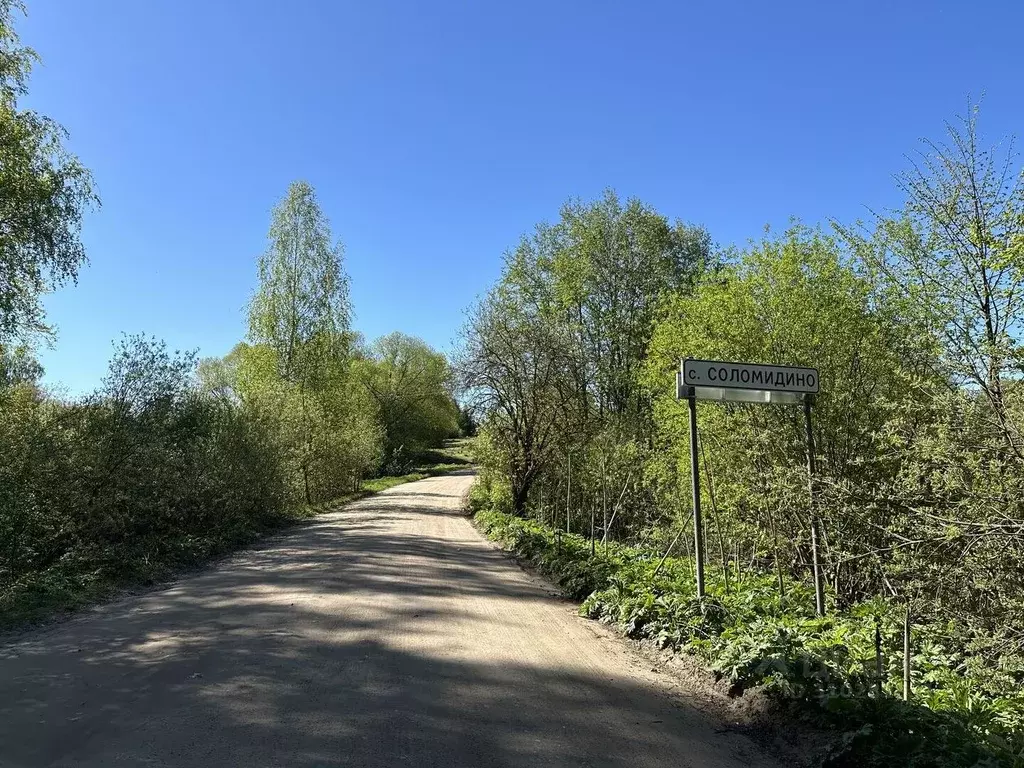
{"x": 255, "y": 664}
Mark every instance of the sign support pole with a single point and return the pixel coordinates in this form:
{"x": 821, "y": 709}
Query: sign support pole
{"x": 725, "y": 381}
{"x": 819, "y": 590}
{"x": 698, "y": 523}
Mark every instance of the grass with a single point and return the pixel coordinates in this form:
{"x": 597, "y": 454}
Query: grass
{"x": 456, "y": 452}
{"x": 453, "y": 456}
{"x": 72, "y": 585}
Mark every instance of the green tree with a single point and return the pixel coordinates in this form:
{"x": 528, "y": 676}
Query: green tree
{"x": 44, "y": 192}
{"x": 218, "y": 376}
{"x": 18, "y": 366}
{"x": 301, "y": 309}
{"x": 513, "y": 367}
{"x": 582, "y": 296}
{"x": 299, "y": 325}
{"x": 411, "y": 386}
{"x": 610, "y": 266}
{"x": 955, "y": 254}
{"x": 467, "y": 422}
{"x": 798, "y": 300}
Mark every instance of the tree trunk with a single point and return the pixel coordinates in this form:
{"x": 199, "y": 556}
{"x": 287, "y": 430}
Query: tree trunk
{"x": 520, "y": 494}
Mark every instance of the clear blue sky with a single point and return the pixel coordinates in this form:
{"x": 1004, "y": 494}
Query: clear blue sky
{"x": 436, "y": 133}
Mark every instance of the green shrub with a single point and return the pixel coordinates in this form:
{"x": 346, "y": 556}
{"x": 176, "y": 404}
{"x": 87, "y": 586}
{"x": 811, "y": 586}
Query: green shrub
{"x": 751, "y": 637}
{"x": 126, "y": 485}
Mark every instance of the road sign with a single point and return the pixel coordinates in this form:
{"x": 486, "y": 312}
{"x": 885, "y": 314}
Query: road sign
{"x": 718, "y": 374}
{"x": 751, "y": 383}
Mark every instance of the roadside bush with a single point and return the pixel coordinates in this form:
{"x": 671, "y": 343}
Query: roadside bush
{"x": 154, "y": 472}
{"x": 141, "y": 477}
{"x": 750, "y": 637}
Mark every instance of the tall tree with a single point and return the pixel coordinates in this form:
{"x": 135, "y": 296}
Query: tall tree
{"x": 301, "y": 309}
{"x": 956, "y": 254}
{"x": 300, "y": 315}
{"x": 513, "y": 367}
{"x": 613, "y": 264}
{"x": 44, "y": 191}
{"x": 590, "y": 286}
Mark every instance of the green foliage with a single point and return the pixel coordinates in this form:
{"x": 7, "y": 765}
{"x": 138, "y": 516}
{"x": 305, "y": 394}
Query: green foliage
{"x": 411, "y": 386}
{"x": 508, "y": 341}
{"x": 301, "y": 310}
{"x": 606, "y": 269}
{"x": 18, "y": 366}
{"x": 146, "y": 476}
{"x": 551, "y": 354}
{"x": 467, "y": 422}
{"x": 339, "y": 412}
{"x": 795, "y": 300}
{"x": 141, "y": 477}
{"x": 328, "y": 433}
{"x": 951, "y": 259}
{"x": 298, "y": 369}
{"x": 885, "y": 732}
{"x": 954, "y": 255}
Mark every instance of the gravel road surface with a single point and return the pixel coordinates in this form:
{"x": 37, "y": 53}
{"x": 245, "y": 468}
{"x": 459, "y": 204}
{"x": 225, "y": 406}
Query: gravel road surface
{"x": 389, "y": 633}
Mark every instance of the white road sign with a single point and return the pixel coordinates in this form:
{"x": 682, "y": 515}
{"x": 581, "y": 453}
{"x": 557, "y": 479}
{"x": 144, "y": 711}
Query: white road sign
{"x": 725, "y": 375}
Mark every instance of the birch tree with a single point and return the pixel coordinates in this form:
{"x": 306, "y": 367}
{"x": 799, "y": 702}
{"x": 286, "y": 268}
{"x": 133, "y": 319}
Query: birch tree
{"x": 44, "y": 192}
{"x": 301, "y": 314}
{"x": 301, "y": 308}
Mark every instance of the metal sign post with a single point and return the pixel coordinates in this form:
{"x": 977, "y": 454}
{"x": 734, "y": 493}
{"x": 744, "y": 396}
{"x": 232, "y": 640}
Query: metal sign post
{"x": 749, "y": 383}
{"x": 698, "y": 522}
{"x": 819, "y": 589}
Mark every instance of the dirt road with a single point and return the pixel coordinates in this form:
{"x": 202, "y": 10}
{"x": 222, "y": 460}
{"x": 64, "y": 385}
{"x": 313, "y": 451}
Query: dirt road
{"x": 387, "y": 634}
